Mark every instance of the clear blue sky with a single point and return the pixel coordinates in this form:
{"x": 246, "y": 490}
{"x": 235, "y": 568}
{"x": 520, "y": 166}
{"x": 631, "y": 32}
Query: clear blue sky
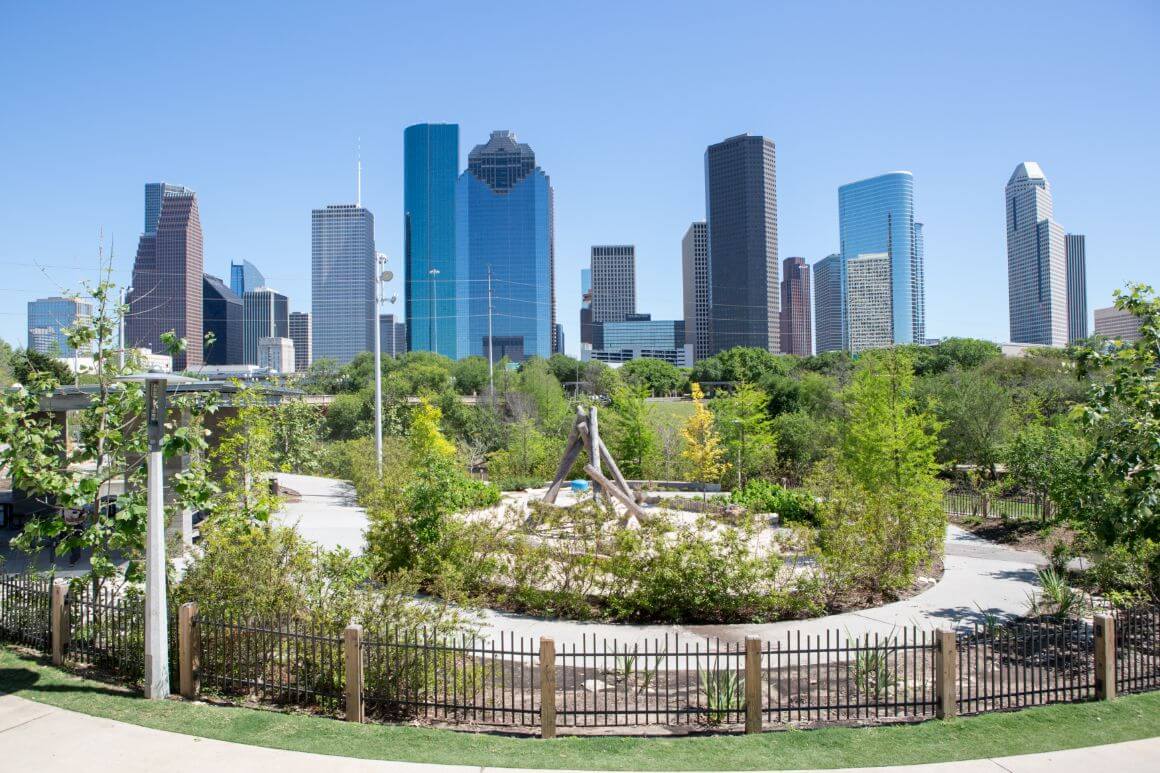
{"x": 258, "y": 107}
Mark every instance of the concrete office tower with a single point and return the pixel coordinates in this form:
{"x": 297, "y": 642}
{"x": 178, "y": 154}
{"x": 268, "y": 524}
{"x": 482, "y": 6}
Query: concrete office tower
{"x": 392, "y": 336}
{"x": 265, "y": 314}
{"x": 1076, "y": 247}
{"x": 504, "y": 225}
{"x": 300, "y": 335}
{"x": 741, "y": 210}
{"x": 276, "y": 354}
{"x": 876, "y": 216}
{"x": 245, "y": 276}
{"x": 695, "y": 271}
{"x": 613, "y": 282}
{"x": 796, "y": 328}
{"x": 167, "y": 275}
{"x": 1113, "y": 323}
{"x": 430, "y": 170}
{"x": 869, "y": 300}
{"x": 342, "y": 302}
{"x": 221, "y": 312}
{"x": 48, "y": 318}
{"x": 1036, "y": 261}
{"x": 585, "y": 306}
{"x": 829, "y": 304}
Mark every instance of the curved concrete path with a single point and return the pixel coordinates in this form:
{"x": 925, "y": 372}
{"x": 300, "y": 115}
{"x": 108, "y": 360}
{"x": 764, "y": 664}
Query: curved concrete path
{"x": 980, "y": 577}
{"x": 37, "y": 737}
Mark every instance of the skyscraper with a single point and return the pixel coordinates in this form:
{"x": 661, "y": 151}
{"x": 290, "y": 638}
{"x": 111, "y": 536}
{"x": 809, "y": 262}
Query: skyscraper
{"x": 741, "y": 210}
{"x": 48, "y": 318}
{"x": 796, "y": 329}
{"x": 167, "y": 275}
{"x": 613, "y": 282}
{"x": 1076, "y": 246}
{"x": 221, "y": 311}
{"x": 300, "y": 335}
{"x": 869, "y": 301}
{"x": 504, "y": 226}
{"x": 585, "y": 306}
{"x": 245, "y": 276}
{"x": 265, "y": 314}
{"x": 695, "y": 282}
{"x": 1113, "y": 323}
{"x": 1036, "y": 261}
{"x": 430, "y": 169}
{"x": 342, "y": 282}
{"x": 829, "y": 304}
{"x": 392, "y": 336}
{"x": 876, "y": 216}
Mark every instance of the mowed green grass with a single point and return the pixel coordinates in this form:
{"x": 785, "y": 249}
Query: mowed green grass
{"x": 1034, "y": 730}
{"x": 670, "y": 411}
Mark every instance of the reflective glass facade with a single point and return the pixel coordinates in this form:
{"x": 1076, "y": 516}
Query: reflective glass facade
{"x": 265, "y": 314}
{"x": 1076, "y": 287}
{"x": 1036, "y": 261}
{"x": 829, "y": 304}
{"x": 47, "y": 320}
{"x": 430, "y": 169}
{"x": 877, "y": 216}
{"x": 245, "y": 276}
{"x": 221, "y": 311}
{"x": 342, "y": 303}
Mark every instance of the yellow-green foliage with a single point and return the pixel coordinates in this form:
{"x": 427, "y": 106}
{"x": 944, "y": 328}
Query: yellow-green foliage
{"x": 703, "y": 449}
{"x": 426, "y": 439}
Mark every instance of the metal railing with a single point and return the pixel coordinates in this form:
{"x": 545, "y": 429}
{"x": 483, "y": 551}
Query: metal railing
{"x": 1138, "y": 649}
{"x": 25, "y": 609}
{"x": 972, "y": 503}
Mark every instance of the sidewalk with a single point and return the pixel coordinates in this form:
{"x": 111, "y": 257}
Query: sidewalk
{"x": 34, "y": 736}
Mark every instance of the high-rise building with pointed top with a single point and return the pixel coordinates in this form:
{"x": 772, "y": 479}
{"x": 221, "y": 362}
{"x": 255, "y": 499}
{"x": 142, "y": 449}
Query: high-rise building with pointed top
{"x": 167, "y": 291}
{"x": 1036, "y": 261}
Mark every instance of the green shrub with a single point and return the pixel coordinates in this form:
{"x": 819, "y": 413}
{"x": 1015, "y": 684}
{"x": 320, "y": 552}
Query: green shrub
{"x": 761, "y": 496}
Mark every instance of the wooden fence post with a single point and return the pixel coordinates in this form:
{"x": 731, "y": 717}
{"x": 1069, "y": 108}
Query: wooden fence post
{"x": 188, "y": 650}
{"x": 547, "y": 687}
{"x": 352, "y": 640}
{"x": 1105, "y": 641}
{"x": 946, "y": 668}
{"x": 753, "y": 705}
{"x": 58, "y": 620}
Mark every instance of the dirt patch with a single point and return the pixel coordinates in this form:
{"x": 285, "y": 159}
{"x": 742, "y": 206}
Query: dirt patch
{"x": 1023, "y": 534}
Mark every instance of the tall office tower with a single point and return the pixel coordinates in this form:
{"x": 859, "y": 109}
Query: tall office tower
{"x": 876, "y": 216}
{"x": 1036, "y": 261}
{"x": 613, "y": 282}
{"x": 342, "y": 302}
{"x": 167, "y": 275}
{"x": 741, "y": 209}
{"x": 1113, "y": 323}
{"x": 48, "y": 318}
{"x": 265, "y": 314}
{"x": 795, "y": 324}
{"x": 559, "y": 341}
{"x": 829, "y": 304}
{"x": 585, "y": 306}
{"x": 695, "y": 285}
{"x": 1076, "y": 248}
{"x": 869, "y": 301}
{"x": 245, "y": 276}
{"x": 299, "y": 326}
{"x": 392, "y": 336}
{"x": 504, "y": 226}
{"x": 221, "y": 313}
{"x": 430, "y": 169}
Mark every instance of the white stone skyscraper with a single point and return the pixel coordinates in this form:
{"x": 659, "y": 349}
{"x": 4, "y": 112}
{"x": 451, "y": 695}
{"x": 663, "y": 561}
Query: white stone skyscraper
{"x": 1036, "y": 261}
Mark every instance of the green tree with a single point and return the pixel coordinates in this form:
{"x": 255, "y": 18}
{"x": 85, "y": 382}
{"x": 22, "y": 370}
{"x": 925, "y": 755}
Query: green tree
{"x": 1047, "y": 463}
{"x": 630, "y": 433}
{"x": 243, "y": 460}
{"x": 659, "y": 377}
{"x": 975, "y": 414}
{"x": 297, "y": 429}
{"x": 27, "y": 364}
{"x": 470, "y": 375}
{"x": 740, "y": 363}
{"x": 703, "y": 449}
{"x": 744, "y": 423}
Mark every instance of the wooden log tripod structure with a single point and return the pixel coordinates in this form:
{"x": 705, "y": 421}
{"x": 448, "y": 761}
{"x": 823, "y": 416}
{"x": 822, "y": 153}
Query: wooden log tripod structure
{"x": 585, "y": 437}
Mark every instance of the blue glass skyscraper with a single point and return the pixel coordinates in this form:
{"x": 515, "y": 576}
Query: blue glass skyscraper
{"x": 504, "y": 225}
{"x": 430, "y": 169}
{"x": 244, "y": 277}
{"x": 877, "y": 216}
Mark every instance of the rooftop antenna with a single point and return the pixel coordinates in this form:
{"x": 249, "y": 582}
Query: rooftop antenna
{"x": 358, "y": 194}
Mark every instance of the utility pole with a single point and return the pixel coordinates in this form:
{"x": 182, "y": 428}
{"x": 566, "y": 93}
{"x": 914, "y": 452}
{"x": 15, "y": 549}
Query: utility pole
{"x": 490, "y": 343}
{"x": 121, "y": 311}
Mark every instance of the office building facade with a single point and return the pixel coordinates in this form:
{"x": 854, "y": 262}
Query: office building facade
{"x": 876, "y": 217}
{"x": 342, "y": 264}
{"x": 585, "y": 306}
{"x": 430, "y": 172}
{"x": 795, "y": 324}
{"x": 869, "y": 302}
{"x": 695, "y": 287}
{"x": 504, "y": 239}
{"x": 1036, "y": 261}
{"x": 222, "y": 315}
{"x": 276, "y": 354}
{"x": 1113, "y": 324}
{"x": 613, "y": 282}
{"x": 167, "y": 284}
{"x": 265, "y": 314}
{"x": 299, "y": 327}
{"x": 829, "y": 304}
{"x": 1075, "y": 246}
{"x": 392, "y": 336}
{"x": 640, "y": 336}
{"x": 741, "y": 211}
{"x": 245, "y": 276}
{"x": 48, "y": 321}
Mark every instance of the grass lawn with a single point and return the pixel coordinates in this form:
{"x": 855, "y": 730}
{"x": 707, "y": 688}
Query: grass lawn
{"x": 665, "y": 411}
{"x": 1033, "y": 730}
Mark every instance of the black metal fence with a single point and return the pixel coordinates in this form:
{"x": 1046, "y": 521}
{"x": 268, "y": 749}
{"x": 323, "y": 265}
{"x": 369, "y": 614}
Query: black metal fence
{"x": 106, "y": 630}
{"x": 1138, "y": 649}
{"x": 972, "y": 503}
{"x": 25, "y": 606}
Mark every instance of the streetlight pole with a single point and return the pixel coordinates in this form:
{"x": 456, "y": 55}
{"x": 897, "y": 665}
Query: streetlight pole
{"x": 740, "y": 449}
{"x": 434, "y": 272}
{"x": 381, "y": 275}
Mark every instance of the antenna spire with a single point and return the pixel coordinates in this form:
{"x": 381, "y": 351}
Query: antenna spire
{"x": 358, "y": 193}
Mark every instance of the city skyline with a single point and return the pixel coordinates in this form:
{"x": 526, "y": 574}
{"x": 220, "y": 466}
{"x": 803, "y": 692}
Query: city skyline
{"x": 255, "y": 178}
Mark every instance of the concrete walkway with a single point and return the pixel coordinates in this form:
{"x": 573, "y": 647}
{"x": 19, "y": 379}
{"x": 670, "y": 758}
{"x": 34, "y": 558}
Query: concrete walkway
{"x": 37, "y": 737}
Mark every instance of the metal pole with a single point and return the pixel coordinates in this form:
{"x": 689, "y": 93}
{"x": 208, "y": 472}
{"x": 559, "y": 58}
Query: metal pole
{"x": 490, "y": 347}
{"x": 434, "y": 310}
{"x": 121, "y": 330}
{"x": 156, "y": 625}
{"x": 740, "y": 479}
{"x": 378, "y": 365}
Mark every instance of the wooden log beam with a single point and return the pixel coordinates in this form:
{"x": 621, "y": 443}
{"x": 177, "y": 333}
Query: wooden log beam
{"x": 612, "y": 490}
{"x": 616, "y": 475}
{"x": 571, "y": 451}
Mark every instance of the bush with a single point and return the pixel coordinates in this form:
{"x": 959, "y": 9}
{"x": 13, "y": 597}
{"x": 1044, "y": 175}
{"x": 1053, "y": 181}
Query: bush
{"x": 761, "y": 496}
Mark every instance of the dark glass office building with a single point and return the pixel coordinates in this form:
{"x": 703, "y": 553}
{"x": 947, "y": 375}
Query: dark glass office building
{"x": 221, "y": 311}
{"x": 741, "y": 209}
{"x": 504, "y": 225}
{"x": 430, "y": 169}
{"x": 796, "y": 329}
{"x": 1076, "y": 249}
{"x": 342, "y": 266}
{"x": 829, "y": 304}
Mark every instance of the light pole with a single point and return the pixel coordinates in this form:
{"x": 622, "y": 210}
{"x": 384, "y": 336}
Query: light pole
{"x": 434, "y": 272}
{"x": 381, "y": 276}
{"x": 740, "y": 451}
{"x": 156, "y": 624}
